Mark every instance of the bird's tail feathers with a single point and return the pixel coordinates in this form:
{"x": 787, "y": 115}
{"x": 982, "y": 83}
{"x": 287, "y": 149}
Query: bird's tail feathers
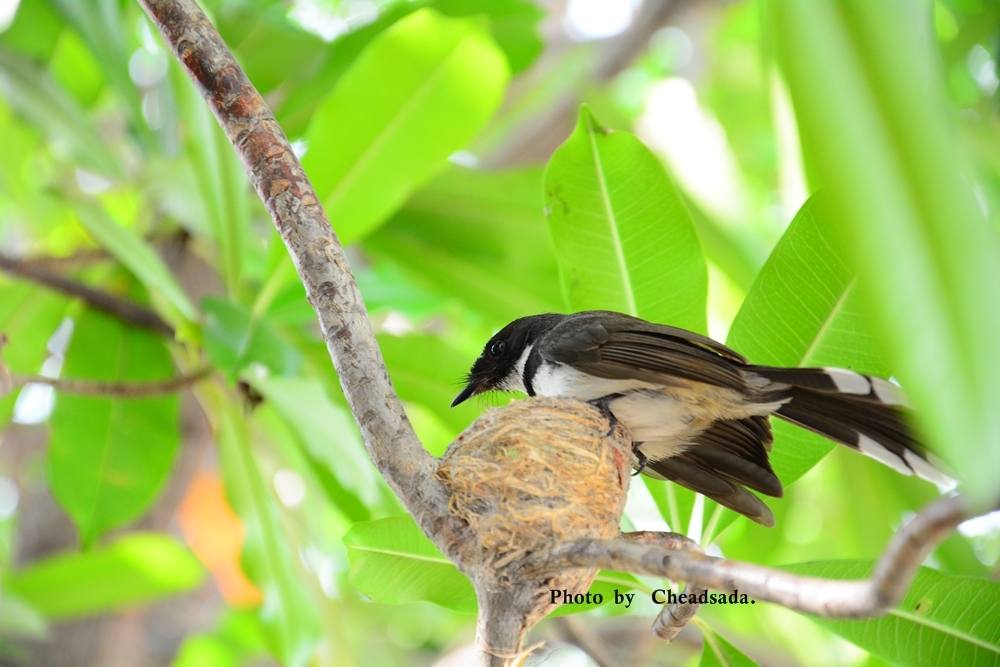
{"x": 868, "y": 414}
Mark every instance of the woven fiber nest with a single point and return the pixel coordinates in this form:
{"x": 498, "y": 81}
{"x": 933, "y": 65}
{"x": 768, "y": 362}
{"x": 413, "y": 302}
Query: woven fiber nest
{"x": 537, "y": 472}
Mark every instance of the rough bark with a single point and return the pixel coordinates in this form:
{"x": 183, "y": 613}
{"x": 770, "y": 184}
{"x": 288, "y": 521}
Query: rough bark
{"x": 318, "y": 256}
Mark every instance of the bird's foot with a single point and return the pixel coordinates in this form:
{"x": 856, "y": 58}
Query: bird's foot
{"x": 604, "y": 405}
{"x": 641, "y": 457}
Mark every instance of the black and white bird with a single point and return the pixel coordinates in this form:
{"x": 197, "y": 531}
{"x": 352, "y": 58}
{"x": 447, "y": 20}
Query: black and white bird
{"x": 697, "y": 411}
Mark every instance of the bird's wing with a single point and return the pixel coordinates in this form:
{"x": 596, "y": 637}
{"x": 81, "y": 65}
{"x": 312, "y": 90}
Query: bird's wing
{"x": 611, "y": 345}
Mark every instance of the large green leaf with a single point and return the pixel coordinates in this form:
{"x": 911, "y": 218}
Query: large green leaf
{"x": 625, "y": 241}
{"x": 717, "y": 652}
{"x": 289, "y": 615}
{"x": 109, "y": 457}
{"x": 370, "y": 146}
{"x": 513, "y": 24}
{"x": 102, "y": 25}
{"x": 43, "y": 103}
{"x": 135, "y": 569}
{"x": 35, "y": 30}
{"x": 427, "y": 370}
{"x": 137, "y": 255}
{"x": 29, "y": 316}
{"x": 943, "y": 620}
{"x": 328, "y": 433}
{"x": 478, "y": 237}
{"x": 879, "y": 137}
{"x": 803, "y": 310}
{"x": 623, "y": 236}
{"x": 392, "y": 561}
{"x": 234, "y": 338}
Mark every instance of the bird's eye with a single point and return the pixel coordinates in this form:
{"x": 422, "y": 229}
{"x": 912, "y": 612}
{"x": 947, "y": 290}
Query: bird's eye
{"x": 496, "y": 348}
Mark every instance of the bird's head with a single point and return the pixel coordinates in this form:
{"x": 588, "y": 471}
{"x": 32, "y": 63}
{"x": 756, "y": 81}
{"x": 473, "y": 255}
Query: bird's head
{"x": 501, "y": 363}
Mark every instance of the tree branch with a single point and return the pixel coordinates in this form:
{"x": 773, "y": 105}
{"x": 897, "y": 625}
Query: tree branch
{"x": 123, "y": 309}
{"x": 675, "y": 616}
{"x": 319, "y": 258}
{"x": 833, "y": 598}
{"x": 119, "y": 389}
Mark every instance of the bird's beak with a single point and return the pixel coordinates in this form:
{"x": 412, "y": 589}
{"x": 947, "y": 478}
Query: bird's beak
{"x": 470, "y": 390}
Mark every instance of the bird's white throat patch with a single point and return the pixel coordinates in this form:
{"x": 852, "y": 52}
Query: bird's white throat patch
{"x": 515, "y": 379}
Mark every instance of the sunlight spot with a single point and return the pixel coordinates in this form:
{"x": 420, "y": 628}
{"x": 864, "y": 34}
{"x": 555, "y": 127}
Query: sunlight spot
{"x": 981, "y": 525}
{"x": 290, "y": 487}
{"x": 694, "y": 144}
{"x": 8, "y": 497}
{"x": 35, "y": 402}
{"x": 8, "y": 9}
{"x": 91, "y": 183}
{"x": 598, "y": 19}
{"x": 147, "y": 68}
{"x": 983, "y": 69}
{"x": 330, "y": 22}
{"x": 397, "y": 324}
{"x": 464, "y": 159}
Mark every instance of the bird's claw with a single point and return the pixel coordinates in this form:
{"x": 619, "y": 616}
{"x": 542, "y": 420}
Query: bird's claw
{"x": 604, "y": 405}
{"x": 642, "y": 460}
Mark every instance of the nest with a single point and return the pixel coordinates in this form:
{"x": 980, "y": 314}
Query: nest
{"x": 537, "y": 472}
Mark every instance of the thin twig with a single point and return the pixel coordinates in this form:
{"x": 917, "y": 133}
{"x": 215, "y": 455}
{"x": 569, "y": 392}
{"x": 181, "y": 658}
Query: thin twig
{"x": 834, "y": 598}
{"x": 319, "y": 258}
{"x": 119, "y": 389}
{"x": 674, "y": 616}
{"x": 123, "y": 309}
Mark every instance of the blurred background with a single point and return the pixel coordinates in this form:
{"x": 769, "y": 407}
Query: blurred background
{"x": 208, "y": 527}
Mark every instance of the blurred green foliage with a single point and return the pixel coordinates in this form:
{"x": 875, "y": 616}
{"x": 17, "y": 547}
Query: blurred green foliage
{"x": 115, "y": 175}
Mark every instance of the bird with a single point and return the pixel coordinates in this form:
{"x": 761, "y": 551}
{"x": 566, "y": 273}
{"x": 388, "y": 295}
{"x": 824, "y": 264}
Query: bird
{"x": 697, "y": 411}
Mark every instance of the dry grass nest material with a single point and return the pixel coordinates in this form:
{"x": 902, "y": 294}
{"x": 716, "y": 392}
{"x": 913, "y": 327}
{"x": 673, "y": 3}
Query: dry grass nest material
{"x": 534, "y": 473}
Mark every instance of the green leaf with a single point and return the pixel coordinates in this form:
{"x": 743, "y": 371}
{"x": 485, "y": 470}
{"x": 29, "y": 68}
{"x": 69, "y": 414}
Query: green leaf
{"x": 237, "y": 640}
{"x": 513, "y": 24}
{"x": 43, "y": 103}
{"x": 425, "y": 369}
{"x": 478, "y": 237}
{"x": 19, "y": 620}
{"x": 369, "y": 146}
{"x": 29, "y": 316}
{"x": 943, "y": 620}
{"x": 392, "y": 561}
{"x": 234, "y": 338}
{"x": 623, "y": 236}
{"x": 289, "y": 614}
{"x": 109, "y": 457}
{"x": 803, "y": 310}
{"x": 35, "y": 30}
{"x": 135, "y": 254}
{"x": 135, "y": 569}
{"x": 326, "y": 430}
{"x": 272, "y": 50}
{"x": 717, "y": 652}
{"x": 75, "y": 69}
{"x": 102, "y": 25}
{"x": 625, "y": 241}
{"x": 880, "y": 138}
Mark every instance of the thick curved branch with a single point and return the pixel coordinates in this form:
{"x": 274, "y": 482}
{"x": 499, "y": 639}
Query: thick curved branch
{"x": 319, "y": 258}
{"x": 836, "y": 598}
